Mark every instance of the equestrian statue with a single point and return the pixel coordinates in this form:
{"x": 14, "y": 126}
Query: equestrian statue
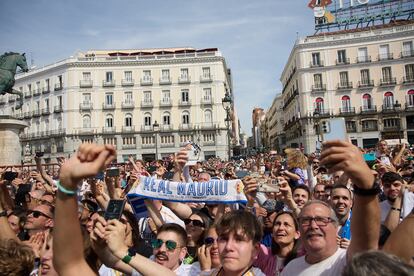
{"x": 8, "y": 64}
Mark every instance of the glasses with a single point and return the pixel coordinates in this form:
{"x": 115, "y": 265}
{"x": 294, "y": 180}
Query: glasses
{"x": 37, "y": 214}
{"x": 210, "y": 240}
{"x": 320, "y": 221}
{"x": 170, "y": 245}
{"x": 195, "y": 222}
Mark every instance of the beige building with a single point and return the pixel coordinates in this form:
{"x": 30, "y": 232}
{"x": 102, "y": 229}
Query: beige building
{"x": 120, "y": 96}
{"x": 258, "y": 116}
{"x": 364, "y": 75}
{"x": 272, "y": 129}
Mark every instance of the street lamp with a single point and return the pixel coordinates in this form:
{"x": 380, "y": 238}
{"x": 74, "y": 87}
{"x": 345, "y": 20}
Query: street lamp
{"x": 316, "y": 115}
{"x": 227, "y": 102}
{"x": 156, "y": 128}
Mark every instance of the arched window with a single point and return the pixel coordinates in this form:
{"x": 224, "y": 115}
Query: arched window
{"x": 86, "y": 121}
{"x": 367, "y": 102}
{"x": 346, "y": 103}
{"x": 128, "y": 120}
{"x": 109, "y": 121}
{"x": 319, "y": 106}
{"x": 410, "y": 97}
{"x": 147, "y": 119}
{"x": 208, "y": 116}
{"x": 388, "y": 100}
{"x": 185, "y": 117}
{"x": 166, "y": 118}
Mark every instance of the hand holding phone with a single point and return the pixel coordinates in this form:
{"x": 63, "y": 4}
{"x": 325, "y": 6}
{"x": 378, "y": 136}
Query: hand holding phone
{"x": 114, "y": 209}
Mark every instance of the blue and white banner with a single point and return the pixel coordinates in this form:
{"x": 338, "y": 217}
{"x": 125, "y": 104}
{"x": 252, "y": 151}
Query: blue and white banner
{"x": 213, "y": 191}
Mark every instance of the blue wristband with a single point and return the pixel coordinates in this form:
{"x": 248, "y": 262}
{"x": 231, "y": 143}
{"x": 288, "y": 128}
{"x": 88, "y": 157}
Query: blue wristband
{"x": 64, "y": 190}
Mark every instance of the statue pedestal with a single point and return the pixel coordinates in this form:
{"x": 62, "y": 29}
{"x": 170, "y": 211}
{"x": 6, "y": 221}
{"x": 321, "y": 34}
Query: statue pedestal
{"x": 10, "y": 147}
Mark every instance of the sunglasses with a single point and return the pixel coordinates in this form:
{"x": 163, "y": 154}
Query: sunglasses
{"x": 195, "y": 222}
{"x": 157, "y": 243}
{"x": 37, "y": 214}
{"x": 210, "y": 240}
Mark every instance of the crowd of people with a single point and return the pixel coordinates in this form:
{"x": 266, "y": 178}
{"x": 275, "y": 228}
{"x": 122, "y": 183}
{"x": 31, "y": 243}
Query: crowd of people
{"x": 340, "y": 211}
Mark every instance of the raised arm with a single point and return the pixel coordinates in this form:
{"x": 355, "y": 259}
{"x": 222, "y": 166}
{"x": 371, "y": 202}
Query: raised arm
{"x": 365, "y": 222}
{"x": 44, "y": 175}
{"x": 67, "y": 242}
{"x": 5, "y": 230}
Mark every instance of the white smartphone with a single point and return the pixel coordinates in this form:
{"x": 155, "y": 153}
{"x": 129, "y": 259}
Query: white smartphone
{"x": 194, "y": 151}
{"x": 333, "y": 129}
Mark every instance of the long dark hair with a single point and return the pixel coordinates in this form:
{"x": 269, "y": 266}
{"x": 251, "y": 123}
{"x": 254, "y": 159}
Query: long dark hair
{"x": 276, "y": 248}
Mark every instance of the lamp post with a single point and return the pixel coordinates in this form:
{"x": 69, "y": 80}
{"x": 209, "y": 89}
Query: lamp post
{"x": 397, "y": 106}
{"x": 155, "y": 128}
{"x": 316, "y": 126}
{"x": 227, "y": 102}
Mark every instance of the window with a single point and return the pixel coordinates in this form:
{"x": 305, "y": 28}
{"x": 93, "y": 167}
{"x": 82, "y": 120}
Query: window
{"x": 185, "y": 118}
{"x": 384, "y": 52}
{"x": 342, "y": 56}
{"x": 165, "y": 74}
{"x": 38, "y": 85}
{"x": 128, "y": 120}
{"x": 128, "y": 76}
{"x": 128, "y": 97}
{"x": 86, "y": 121}
{"x": 147, "y": 140}
{"x": 184, "y": 73}
{"x": 316, "y": 59}
{"x": 391, "y": 123}
{"x": 59, "y": 100}
{"x": 410, "y": 97}
{"x": 147, "y": 119}
{"x": 108, "y": 76}
{"x": 47, "y": 104}
{"x": 386, "y": 74}
{"x": 407, "y": 49}
{"x": 165, "y": 96}
{"x": 409, "y": 72}
{"x": 206, "y": 72}
{"x": 363, "y": 54}
{"x": 29, "y": 87}
{"x": 147, "y": 75}
{"x": 184, "y": 95}
{"x": 369, "y": 125}
{"x": 208, "y": 137}
{"x": 147, "y": 96}
{"x": 185, "y": 138}
{"x": 128, "y": 141}
{"x": 86, "y": 76}
{"x": 388, "y": 100}
{"x": 38, "y": 105}
{"x": 207, "y": 94}
{"x": 343, "y": 78}
{"x": 60, "y": 81}
{"x": 346, "y": 103}
{"x": 47, "y": 84}
{"x": 367, "y": 102}
{"x": 109, "y": 98}
{"x": 167, "y": 139}
{"x": 166, "y": 119}
{"x": 208, "y": 117}
{"x": 317, "y": 80}
{"x": 109, "y": 141}
{"x": 350, "y": 126}
{"x": 86, "y": 98}
{"x": 319, "y": 106}
{"x": 109, "y": 121}
{"x": 365, "y": 80}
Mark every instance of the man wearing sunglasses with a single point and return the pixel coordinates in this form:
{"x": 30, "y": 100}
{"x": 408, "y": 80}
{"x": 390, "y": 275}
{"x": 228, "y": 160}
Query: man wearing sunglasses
{"x": 39, "y": 219}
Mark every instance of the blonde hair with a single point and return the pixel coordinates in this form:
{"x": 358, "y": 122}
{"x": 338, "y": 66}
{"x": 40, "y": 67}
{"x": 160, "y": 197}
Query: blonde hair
{"x": 15, "y": 259}
{"x": 296, "y": 159}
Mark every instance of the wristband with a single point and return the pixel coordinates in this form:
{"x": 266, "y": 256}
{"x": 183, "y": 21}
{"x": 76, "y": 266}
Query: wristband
{"x": 375, "y": 190}
{"x": 66, "y": 191}
{"x": 128, "y": 257}
{"x": 396, "y": 209}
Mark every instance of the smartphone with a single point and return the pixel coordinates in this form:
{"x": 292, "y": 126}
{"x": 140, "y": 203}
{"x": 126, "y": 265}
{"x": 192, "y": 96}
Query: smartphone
{"x": 241, "y": 174}
{"x": 194, "y": 151}
{"x": 333, "y": 129}
{"x": 112, "y": 172}
{"x": 10, "y": 176}
{"x": 114, "y": 209}
{"x": 271, "y": 186}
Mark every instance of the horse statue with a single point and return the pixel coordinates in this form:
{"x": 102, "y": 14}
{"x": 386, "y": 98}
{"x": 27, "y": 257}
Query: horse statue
{"x": 8, "y": 64}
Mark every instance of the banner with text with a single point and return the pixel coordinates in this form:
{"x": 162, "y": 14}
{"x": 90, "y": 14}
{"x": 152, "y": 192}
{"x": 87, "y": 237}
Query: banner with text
{"x": 213, "y": 191}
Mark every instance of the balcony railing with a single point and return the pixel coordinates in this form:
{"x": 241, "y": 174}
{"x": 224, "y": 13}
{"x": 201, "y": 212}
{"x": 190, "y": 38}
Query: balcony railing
{"x": 363, "y": 59}
{"x": 165, "y": 80}
{"x": 58, "y": 86}
{"x": 148, "y": 146}
{"x": 366, "y": 84}
{"x": 165, "y": 102}
{"x": 342, "y": 61}
{"x": 128, "y": 104}
{"x": 347, "y": 111}
{"x": 146, "y": 81}
{"x": 408, "y": 79}
{"x": 58, "y": 132}
{"x": 166, "y": 127}
{"x": 345, "y": 85}
{"x": 167, "y": 145}
{"x": 129, "y": 146}
{"x": 211, "y": 125}
{"x": 27, "y": 115}
{"x": 36, "y": 113}
{"x": 391, "y": 128}
{"x": 184, "y": 103}
{"x": 107, "y": 106}
{"x": 46, "y": 90}
{"x": 86, "y": 131}
{"x": 147, "y": 103}
{"x": 109, "y": 130}
{"x": 85, "y": 83}
{"x": 387, "y": 56}
{"x": 127, "y": 82}
{"x": 108, "y": 83}
{"x": 85, "y": 106}
{"x": 186, "y": 126}
{"x": 58, "y": 109}
{"x": 388, "y": 82}
{"x": 206, "y": 100}
{"x": 128, "y": 129}
{"x": 370, "y": 127}
{"x": 206, "y": 78}
{"x": 319, "y": 88}
{"x": 147, "y": 129}
{"x": 37, "y": 92}
{"x": 314, "y": 64}
{"x": 368, "y": 109}
{"x": 28, "y": 94}
{"x": 45, "y": 111}
{"x": 321, "y": 112}
{"x": 389, "y": 108}
{"x": 409, "y": 106}
{"x": 405, "y": 54}
{"x": 184, "y": 79}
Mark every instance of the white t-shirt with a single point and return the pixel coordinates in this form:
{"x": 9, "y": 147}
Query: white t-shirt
{"x": 408, "y": 204}
{"x": 254, "y": 271}
{"x": 182, "y": 270}
{"x": 330, "y": 266}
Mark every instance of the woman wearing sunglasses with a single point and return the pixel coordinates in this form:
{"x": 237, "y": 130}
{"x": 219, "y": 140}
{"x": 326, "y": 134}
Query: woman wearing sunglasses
{"x": 208, "y": 253}
{"x": 195, "y": 226}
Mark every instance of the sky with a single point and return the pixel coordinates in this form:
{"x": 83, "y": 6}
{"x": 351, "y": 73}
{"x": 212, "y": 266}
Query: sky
{"x": 255, "y": 36}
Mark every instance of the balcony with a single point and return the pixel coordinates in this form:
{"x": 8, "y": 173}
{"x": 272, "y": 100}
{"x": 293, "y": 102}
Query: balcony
{"x": 186, "y": 126}
{"x": 127, "y": 82}
{"x": 389, "y": 108}
{"x": 128, "y": 129}
{"x": 208, "y": 125}
{"x": 86, "y": 131}
{"x": 387, "y": 56}
{"x": 206, "y": 78}
{"x": 165, "y": 103}
{"x": 391, "y": 128}
{"x": 184, "y": 79}
{"x": 347, "y": 111}
{"x": 127, "y": 104}
{"x": 344, "y": 86}
{"x": 406, "y": 54}
{"x": 369, "y": 109}
{"x": 28, "y": 94}
{"x": 165, "y": 80}
{"x": 369, "y": 127}
{"x": 409, "y": 107}
{"x": 27, "y": 115}
{"x": 321, "y": 112}
{"x": 108, "y": 83}
{"x": 366, "y": 84}
{"x": 107, "y": 106}
{"x": 46, "y": 111}
{"x": 58, "y": 86}
{"x": 85, "y": 83}
{"x": 316, "y": 64}
{"x": 58, "y": 109}
{"x": 147, "y": 103}
{"x": 363, "y": 59}
{"x": 184, "y": 103}
{"x": 342, "y": 61}
{"x": 46, "y": 90}
{"x": 166, "y": 128}
{"x": 408, "y": 80}
{"x": 148, "y": 146}
{"x": 388, "y": 82}
{"x": 146, "y": 81}
{"x": 207, "y": 100}
{"x": 37, "y": 92}
{"x": 84, "y": 106}
{"x": 109, "y": 130}
{"x": 129, "y": 146}
{"x": 147, "y": 129}
{"x": 318, "y": 88}
{"x": 209, "y": 143}
{"x": 58, "y": 132}
{"x": 36, "y": 113}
